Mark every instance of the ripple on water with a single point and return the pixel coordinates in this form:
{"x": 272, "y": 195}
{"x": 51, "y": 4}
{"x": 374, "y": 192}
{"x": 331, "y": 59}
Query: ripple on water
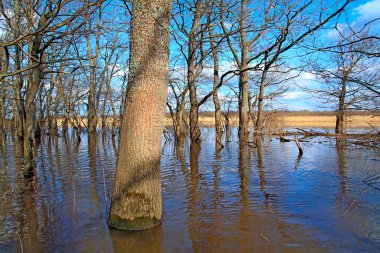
{"x": 240, "y": 198}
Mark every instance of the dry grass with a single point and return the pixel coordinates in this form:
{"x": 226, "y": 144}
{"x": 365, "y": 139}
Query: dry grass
{"x": 281, "y": 120}
{"x": 353, "y": 121}
{"x": 298, "y": 120}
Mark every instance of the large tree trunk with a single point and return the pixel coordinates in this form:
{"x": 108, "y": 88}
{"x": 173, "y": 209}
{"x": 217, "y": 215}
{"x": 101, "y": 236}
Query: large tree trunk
{"x": 339, "y": 126}
{"x": 136, "y": 200}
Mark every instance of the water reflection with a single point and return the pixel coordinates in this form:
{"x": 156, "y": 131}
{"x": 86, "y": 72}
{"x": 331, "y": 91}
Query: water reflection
{"x": 241, "y": 196}
{"x": 341, "y": 166}
{"x": 137, "y": 241}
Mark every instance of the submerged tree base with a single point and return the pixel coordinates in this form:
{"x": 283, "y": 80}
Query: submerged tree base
{"x": 139, "y": 223}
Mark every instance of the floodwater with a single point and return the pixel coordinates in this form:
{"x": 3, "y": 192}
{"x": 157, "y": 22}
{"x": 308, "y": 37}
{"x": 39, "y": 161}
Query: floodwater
{"x": 241, "y": 198}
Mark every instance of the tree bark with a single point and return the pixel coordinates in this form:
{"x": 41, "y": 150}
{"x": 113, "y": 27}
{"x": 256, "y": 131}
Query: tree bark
{"x": 136, "y": 202}
{"x": 30, "y": 100}
{"x": 20, "y": 112}
{"x": 260, "y": 102}
{"x": 215, "y": 97}
{"x": 195, "y": 133}
{"x": 243, "y": 104}
{"x": 243, "y": 78}
{"x": 92, "y": 111}
{"x": 339, "y": 126}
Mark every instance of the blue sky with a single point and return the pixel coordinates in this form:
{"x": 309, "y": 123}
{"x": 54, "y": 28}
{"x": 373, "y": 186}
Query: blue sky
{"x": 358, "y": 13}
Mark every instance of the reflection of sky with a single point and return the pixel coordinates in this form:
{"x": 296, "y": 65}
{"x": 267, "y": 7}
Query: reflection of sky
{"x": 230, "y": 202}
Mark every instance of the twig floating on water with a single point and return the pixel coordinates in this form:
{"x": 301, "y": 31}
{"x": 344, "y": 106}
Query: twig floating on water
{"x": 265, "y": 237}
{"x": 22, "y": 250}
{"x": 349, "y": 208}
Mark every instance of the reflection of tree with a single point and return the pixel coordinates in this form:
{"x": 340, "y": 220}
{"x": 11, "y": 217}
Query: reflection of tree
{"x": 218, "y": 140}
{"x": 195, "y": 150}
{"x": 341, "y": 153}
{"x": 149, "y": 240}
{"x": 258, "y": 139}
{"x": 244, "y": 183}
{"x": 215, "y": 170}
{"x": 179, "y": 142}
{"x": 93, "y": 156}
{"x": 114, "y": 146}
{"x": 260, "y": 164}
{"x": 33, "y": 230}
{"x": 194, "y": 196}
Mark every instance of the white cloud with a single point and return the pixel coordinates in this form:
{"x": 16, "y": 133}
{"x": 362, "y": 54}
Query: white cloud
{"x": 295, "y": 95}
{"x": 368, "y": 11}
{"x": 307, "y": 76}
{"x": 336, "y": 33}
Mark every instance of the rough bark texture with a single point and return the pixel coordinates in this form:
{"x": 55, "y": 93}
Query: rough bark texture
{"x": 136, "y": 200}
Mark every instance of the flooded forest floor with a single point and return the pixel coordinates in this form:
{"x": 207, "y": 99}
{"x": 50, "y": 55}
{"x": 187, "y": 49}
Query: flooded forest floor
{"x": 258, "y": 196}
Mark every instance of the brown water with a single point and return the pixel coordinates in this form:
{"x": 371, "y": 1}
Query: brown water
{"x": 238, "y": 199}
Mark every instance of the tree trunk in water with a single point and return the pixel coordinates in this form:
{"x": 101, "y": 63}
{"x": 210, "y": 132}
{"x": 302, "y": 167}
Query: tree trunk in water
{"x": 14, "y": 117}
{"x": 65, "y": 123}
{"x": 20, "y": 112}
{"x": 227, "y": 127}
{"x": 91, "y": 113}
{"x": 2, "y": 111}
{"x": 260, "y": 102}
{"x": 178, "y": 121}
{"x": 339, "y": 126}
{"x": 251, "y": 110}
{"x": 243, "y": 104}
{"x": 215, "y": 97}
{"x": 136, "y": 202}
{"x": 35, "y": 78}
{"x": 195, "y": 133}
{"x": 180, "y": 127}
{"x": 243, "y": 77}
{"x": 30, "y": 120}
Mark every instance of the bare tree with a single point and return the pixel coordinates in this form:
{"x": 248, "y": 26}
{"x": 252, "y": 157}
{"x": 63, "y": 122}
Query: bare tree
{"x": 343, "y": 72}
